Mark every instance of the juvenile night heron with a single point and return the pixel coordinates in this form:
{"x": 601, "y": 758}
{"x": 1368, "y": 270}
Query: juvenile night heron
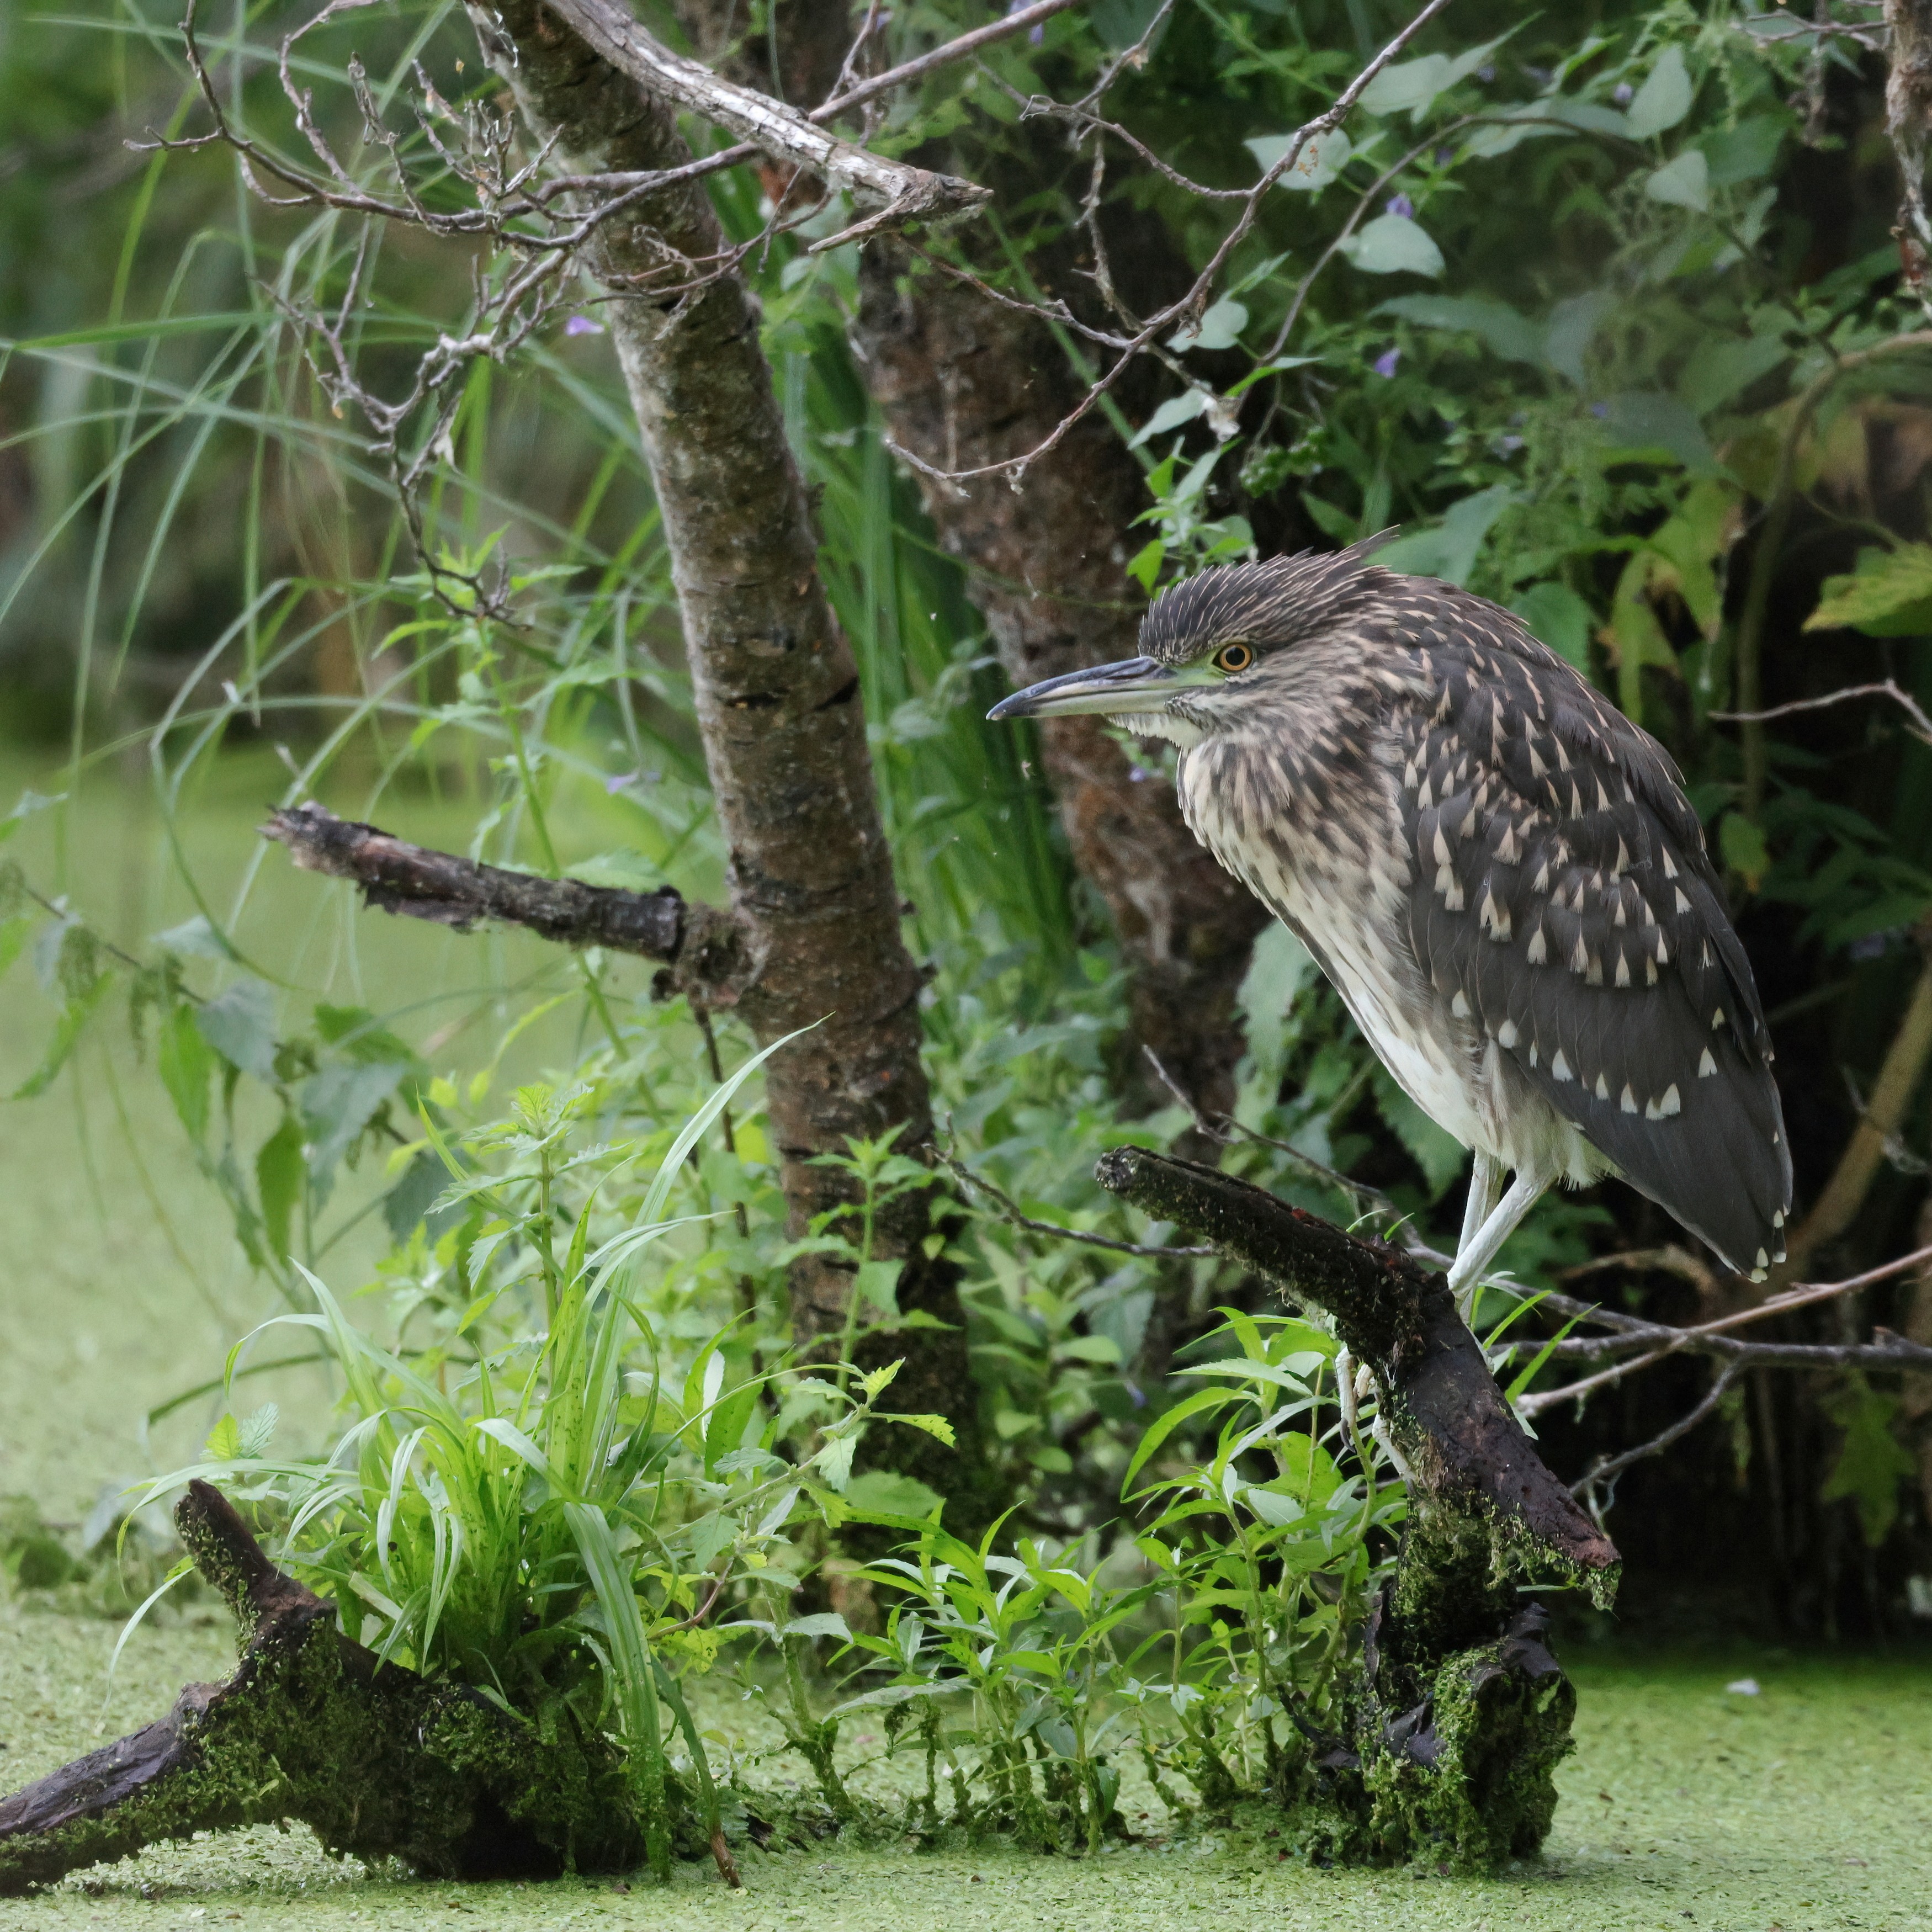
{"x": 1498, "y": 871}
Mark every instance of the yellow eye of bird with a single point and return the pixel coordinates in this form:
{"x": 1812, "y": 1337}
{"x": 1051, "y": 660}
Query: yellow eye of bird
{"x": 1234, "y": 658}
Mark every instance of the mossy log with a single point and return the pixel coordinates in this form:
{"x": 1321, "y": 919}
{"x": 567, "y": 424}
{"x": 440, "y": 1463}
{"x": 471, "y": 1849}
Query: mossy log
{"x": 377, "y": 1761}
{"x": 1461, "y": 1713}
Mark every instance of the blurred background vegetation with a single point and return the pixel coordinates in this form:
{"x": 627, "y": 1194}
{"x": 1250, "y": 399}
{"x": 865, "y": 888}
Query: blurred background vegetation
{"x": 1567, "y": 312}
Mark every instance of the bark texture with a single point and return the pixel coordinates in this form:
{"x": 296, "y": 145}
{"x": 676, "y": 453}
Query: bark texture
{"x": 1462, "y": 1713}
{"x": 962, "y": 382}
{"x": 379, "y": 1762}
{"x": 776, "y": 687}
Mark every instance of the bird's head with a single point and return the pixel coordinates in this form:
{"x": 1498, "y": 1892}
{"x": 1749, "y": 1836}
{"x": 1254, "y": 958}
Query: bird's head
{"x": 1212, "y": 648}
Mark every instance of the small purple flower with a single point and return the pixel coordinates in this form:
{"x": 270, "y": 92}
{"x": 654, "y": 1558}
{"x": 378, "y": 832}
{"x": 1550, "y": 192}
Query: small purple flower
{"x": 582, "y": 325}
{"x": 1036, "y": 36}
{"x": 1623, "y": 93}
{"x": 1385, "y": 364}
{"x": 617, "y": 781}
{"x": 1509, "y": 444}
{"x": 1401, "y": 205}
{"x": 1486, "y": 72}
{"x": 1599, "y": 410}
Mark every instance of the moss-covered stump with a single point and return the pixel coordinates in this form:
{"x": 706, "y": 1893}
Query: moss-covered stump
{"x": 376, "y": 1761}
{"x": 1461, "y": 1713}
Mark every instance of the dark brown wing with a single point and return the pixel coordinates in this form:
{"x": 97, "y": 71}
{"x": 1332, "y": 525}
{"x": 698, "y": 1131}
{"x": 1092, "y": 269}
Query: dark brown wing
{"x": 1563, "y": 892}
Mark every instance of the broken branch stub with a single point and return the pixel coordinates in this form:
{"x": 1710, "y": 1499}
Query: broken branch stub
{"x": 709, "y": 953}
{"x": 1461, "y": 1713}
{"x": 311, "y": 1728}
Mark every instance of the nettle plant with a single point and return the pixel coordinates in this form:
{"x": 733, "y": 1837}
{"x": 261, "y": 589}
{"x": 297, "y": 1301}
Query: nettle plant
{"x": 1209, "y": 1647}
{"x": 552, "y": 1508}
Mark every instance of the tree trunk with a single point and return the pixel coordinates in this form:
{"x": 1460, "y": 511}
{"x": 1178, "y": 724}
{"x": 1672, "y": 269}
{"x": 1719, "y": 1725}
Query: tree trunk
{"x": 379, "y": 1762}
{"x": 777, "y": 695}
{"x": 963, "y": 381}
{"x": 1461, "y": 1714}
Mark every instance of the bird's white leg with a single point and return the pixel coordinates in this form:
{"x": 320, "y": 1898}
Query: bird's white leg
{"x": 1344, "y": 1391}
{"x": 1485, "y": 1183}
{"x": 1476, "y": 1252}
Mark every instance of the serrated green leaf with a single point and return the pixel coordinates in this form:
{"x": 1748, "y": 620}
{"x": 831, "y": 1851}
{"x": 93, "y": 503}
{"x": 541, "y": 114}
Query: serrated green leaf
{"x": 240, "y": 1024}
{"x": 1889, "y": 595}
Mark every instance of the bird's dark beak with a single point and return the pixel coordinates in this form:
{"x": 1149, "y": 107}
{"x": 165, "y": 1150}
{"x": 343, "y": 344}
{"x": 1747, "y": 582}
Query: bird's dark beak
{"x": 1133, "y": 686}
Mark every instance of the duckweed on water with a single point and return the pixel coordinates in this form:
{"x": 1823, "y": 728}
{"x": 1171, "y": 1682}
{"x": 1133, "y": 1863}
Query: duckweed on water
{"x": 1807, "y": 1807}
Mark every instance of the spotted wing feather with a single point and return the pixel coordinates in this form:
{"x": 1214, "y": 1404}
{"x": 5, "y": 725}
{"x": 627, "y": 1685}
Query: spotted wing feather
{"x": 1563, "y": 896}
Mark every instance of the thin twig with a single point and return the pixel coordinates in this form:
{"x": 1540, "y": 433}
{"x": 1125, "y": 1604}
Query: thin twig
{"x": 1602, "y": 1474}
{"x": 1226, "y": 1131}
{"x": 1010, "y": 1211}
{"x": 1920, "y": 727}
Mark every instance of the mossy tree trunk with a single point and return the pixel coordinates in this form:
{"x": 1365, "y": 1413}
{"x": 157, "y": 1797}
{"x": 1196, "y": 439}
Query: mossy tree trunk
{"x": 1461, "y": 1713}
{"x": 379, "y": 1762}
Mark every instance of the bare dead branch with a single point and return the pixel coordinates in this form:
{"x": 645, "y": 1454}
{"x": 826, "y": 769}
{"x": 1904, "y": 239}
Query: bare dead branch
{"x": 905, "y": 193}
{"x": 707, "y": 949}
{"x": 1597, "y": 1489}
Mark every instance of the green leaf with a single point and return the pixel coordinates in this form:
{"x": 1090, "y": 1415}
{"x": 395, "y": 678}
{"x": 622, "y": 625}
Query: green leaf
{"x": 1393, "y": 244}
{"x": 279, "y": 1171}
{"x": 1165, "y": 1424}
{"x": 933, "y": 1425}
{"x": 224, "y": 1441}
{"x": 1747, "y": 151}
{"x": 337, "y": 1104}
{"x": 1872, "y": 1462}
{"x": 1171, "y": 414}
{"x": 876, "y": 1381}
{"x": 1741, "y": 840}
{"x": 12, "y": 939}
{"x": 1449, "y": 551}
{"x": 67, "y": 1031}
{"x": 1219, "y": 328}
{"x": 1642, "y": 422}
{"x": 1890, "y": 596}
{"x": 1323, "y": 156}
{"x": 240, "y": 1024}
{"x": 1723, "y": 367}
{"x": 822, "y": 1623}
{"x": 878, "y": 1282}
{"x": 1664, "y": 98}
{"x": 1556, "y": 614}
{"x": 196, "y": 938}
{"x": 1683, "y": 183}
{"x": 259, "y": 1431}
{"x": 1504, "y": 331}
{"x": 1572, "y": 327}
{"x": 1413, "y": 85}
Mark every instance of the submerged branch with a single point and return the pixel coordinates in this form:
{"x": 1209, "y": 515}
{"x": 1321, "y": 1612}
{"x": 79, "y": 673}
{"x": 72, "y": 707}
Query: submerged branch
{"x": 312, "y": 1728}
